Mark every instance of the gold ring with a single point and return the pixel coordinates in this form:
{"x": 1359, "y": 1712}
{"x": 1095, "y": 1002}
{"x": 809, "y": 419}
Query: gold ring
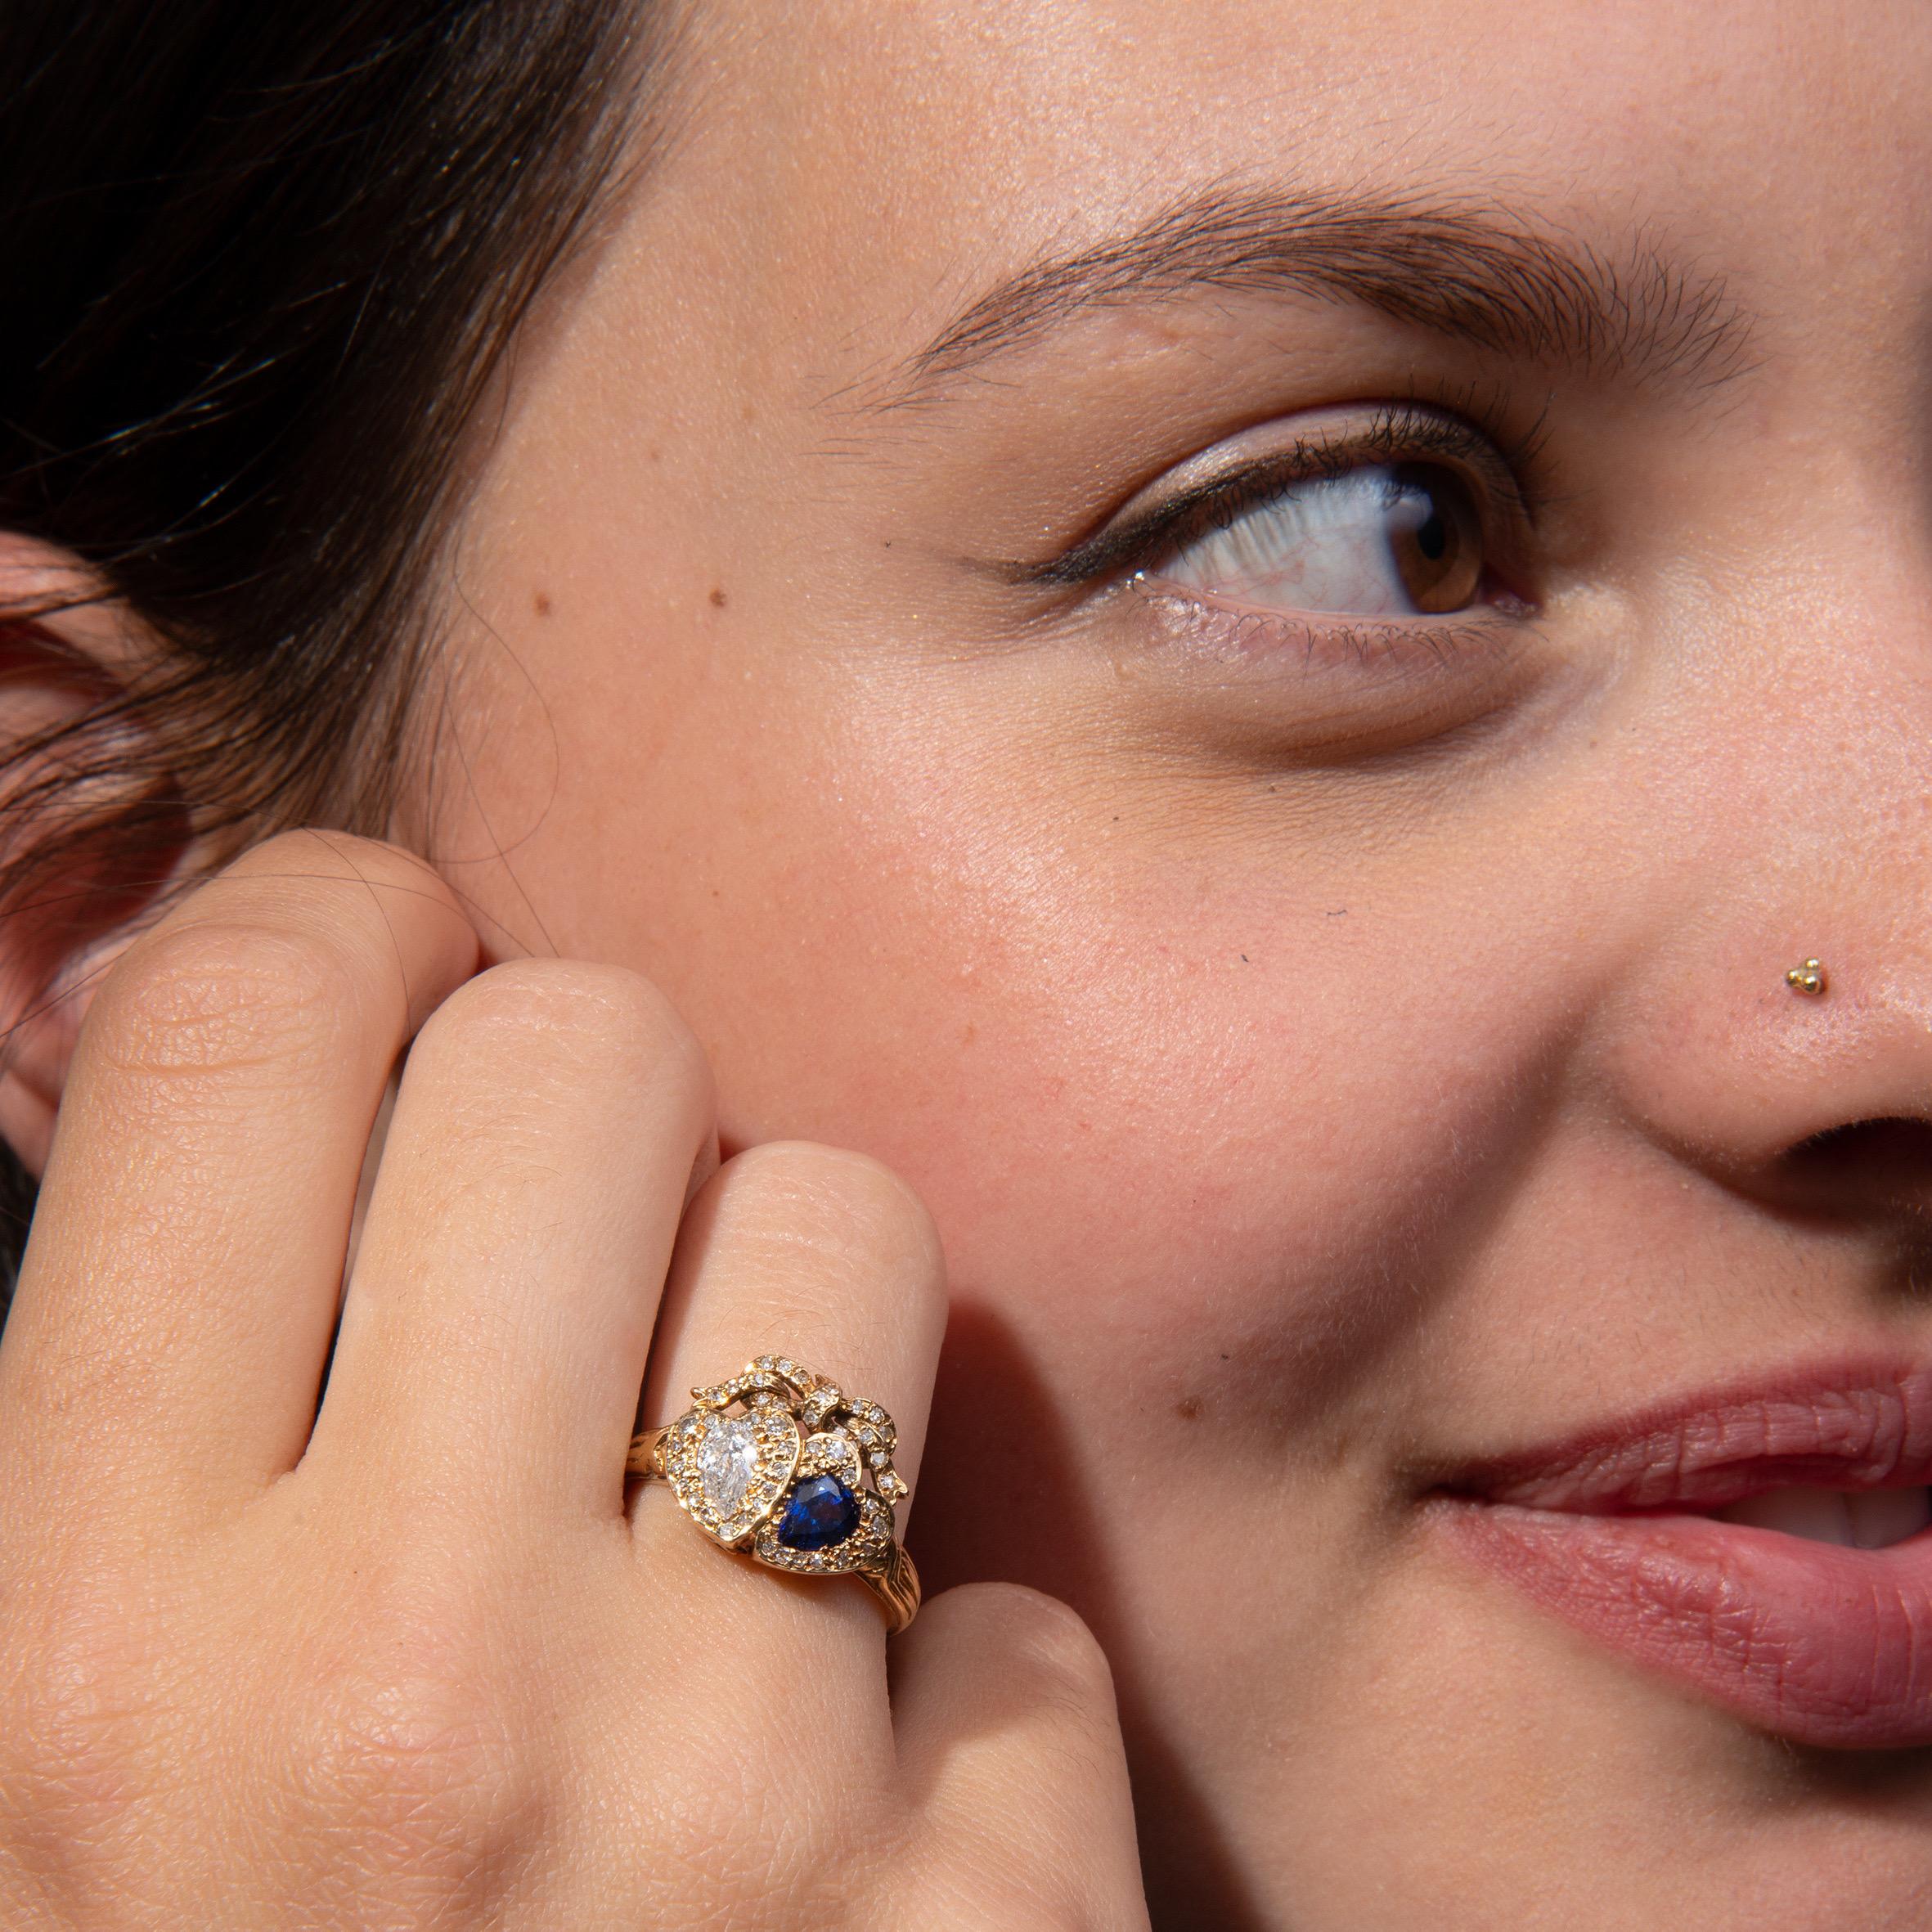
{"x": 774, "y": 1464}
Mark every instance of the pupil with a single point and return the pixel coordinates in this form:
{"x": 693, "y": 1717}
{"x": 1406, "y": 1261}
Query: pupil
{"x": 1437, "y": 543}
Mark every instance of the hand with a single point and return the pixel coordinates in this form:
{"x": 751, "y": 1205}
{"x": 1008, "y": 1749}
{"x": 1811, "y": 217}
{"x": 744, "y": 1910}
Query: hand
{"x": 414, "y": 1660}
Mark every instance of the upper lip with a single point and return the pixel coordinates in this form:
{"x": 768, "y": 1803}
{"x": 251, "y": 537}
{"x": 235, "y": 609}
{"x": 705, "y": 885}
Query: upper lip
{"x": 1851, "y": 1427}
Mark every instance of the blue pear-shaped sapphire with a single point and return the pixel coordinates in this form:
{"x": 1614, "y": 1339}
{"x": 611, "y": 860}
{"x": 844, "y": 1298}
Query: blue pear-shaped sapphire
{"x": 822, "y": 1512}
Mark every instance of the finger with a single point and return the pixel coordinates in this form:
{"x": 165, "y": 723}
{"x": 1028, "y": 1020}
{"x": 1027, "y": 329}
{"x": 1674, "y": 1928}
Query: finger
{"x": 178, "y": 1295}
{"x": 494, "y": 1336}
{"x": 1009, "y": 1743}
{"x": 824, "y": 1258}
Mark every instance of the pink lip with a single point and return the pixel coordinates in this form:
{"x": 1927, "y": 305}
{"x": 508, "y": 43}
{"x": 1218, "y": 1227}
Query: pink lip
{"x": 1817, "y": 1643}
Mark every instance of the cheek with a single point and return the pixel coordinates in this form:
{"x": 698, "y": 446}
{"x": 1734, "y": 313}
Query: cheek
{"x": 1181, "y": 1132}
{"x": 1197, "y": 1101}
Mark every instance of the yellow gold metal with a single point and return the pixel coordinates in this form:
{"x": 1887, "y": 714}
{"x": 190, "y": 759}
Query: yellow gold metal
{"x": 1808, "y": 978}
{"x": 781, "y": 1425}
{"x": 646, "y": 1457}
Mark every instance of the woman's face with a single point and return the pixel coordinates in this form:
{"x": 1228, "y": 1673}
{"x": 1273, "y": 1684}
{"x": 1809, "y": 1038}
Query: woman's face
{"x": 1246, "y": 639}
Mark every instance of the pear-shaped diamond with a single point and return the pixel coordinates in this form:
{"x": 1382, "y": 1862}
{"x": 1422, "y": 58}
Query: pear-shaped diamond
{"x": 727, "y": 1460}
{"x": 729, "y": 1470}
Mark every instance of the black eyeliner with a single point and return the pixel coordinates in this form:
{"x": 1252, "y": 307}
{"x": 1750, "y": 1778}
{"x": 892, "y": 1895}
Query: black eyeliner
{"x": 1399, "y": 433}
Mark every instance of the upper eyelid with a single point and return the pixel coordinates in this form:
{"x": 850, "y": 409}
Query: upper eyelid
{"x": 1386, "y": 432}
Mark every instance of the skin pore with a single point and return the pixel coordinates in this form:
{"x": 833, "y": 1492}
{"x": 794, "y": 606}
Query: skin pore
{"x": 1334, "y": 1051}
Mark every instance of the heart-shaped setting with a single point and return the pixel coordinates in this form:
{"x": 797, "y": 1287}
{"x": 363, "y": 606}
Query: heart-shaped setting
{"x": 784, "y": 1466}
{"x": 826, "y": 1531}
{"x": 822, "y": 1512}
{"x": 728, "y": 1471}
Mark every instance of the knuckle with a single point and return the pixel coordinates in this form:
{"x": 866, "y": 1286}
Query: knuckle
{"x": 329, "y": 881}
{"x": 971, "y": 1898}
{"x": 222, "y": 994}
{"x": 1044, "y": 1643}
{"x": 712, "y": 1846}
{"x": 601, "y": 1016}
{"x": 306, "y": 852}
{"x": 407, "y": 1755}
{"x": 1073, "y": 1918}
{"x": 1030, "y": 1915}
{"x": 328, "y": 856}
{"x": 738, "y": 1819}
{"x": 846, "y": 1201}
{"x": 295, "y": 947}
{"x": 410, "y": 1751}
{"x": 740, "y": 1847}
{"x": 76, "y": 1730}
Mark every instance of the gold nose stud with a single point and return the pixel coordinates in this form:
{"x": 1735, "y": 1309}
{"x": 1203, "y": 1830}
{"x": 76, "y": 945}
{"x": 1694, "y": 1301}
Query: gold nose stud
{"x": 1808, "y": 978}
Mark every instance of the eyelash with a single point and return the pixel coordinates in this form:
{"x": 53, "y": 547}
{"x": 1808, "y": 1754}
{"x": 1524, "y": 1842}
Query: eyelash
{"x": 1391, "y": 433}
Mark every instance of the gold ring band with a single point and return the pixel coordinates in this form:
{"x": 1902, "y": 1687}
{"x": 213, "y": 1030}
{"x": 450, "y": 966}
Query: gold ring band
{"x": 781, "y": 1465}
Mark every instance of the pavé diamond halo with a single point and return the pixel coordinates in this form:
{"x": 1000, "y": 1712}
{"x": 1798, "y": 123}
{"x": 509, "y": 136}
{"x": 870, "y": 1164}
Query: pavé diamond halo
{"x": 781, "y": 1465}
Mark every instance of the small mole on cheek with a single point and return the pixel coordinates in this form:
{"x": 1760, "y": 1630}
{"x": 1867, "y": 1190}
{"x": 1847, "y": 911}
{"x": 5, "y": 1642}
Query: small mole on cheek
{"x": 1188, "y": 1408}
{"x": 541, "y": 604}
{"x": 718, "y": 597}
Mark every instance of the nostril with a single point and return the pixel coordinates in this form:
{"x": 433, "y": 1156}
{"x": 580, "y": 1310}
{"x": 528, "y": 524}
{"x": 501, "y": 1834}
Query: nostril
{"x": 1884, "y": 1164}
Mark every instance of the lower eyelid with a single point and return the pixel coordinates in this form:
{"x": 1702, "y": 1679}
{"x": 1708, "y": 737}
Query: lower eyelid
{"x": 1333, "y": 689}
{"x": 1272, "y": 689}
{"x": 1234, "y": 631}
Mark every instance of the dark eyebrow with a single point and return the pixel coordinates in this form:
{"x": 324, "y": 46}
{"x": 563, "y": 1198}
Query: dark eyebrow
{"x": 1478, "y": 273}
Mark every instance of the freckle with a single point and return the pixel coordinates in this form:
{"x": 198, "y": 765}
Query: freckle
{"x": 1188, "y": 1408}
{"x": 541, "y": 603}
{"x": 1244, "y": 958}
{"x": 718, "y": 598}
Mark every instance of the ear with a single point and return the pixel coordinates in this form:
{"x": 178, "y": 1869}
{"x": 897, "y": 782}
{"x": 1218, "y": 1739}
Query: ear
{"x": 91, "y": 826}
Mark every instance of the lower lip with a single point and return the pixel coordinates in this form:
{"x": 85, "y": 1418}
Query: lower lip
{"x": 1815, "y": 1642}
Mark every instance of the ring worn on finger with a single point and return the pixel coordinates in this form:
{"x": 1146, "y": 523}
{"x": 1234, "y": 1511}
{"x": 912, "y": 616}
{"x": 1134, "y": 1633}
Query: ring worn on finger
{"x": 773, "y": 1464}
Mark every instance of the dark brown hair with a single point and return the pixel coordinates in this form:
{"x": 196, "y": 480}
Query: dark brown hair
{"x": 262, "y": 260}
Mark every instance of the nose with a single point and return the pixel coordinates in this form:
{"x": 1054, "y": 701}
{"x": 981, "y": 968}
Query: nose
{"x": 1820, "y": 1100}
{"x": 1810, "y": 838}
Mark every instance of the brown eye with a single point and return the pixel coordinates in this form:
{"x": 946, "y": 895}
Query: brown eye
{"x": 1381, "y": 540}
{"x": 1436, "y": 536}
